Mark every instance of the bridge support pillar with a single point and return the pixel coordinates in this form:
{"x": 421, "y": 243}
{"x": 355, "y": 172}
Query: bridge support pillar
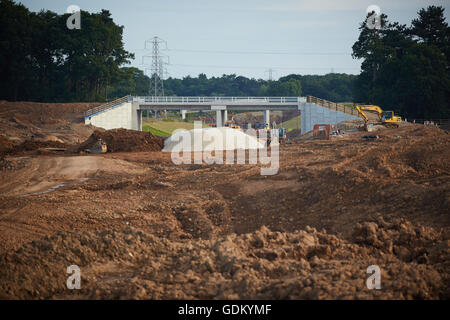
{"x": 183, "y": 114}
{"x": 221, "y": 117}
{"x": 267, "y": 117}
{"x": 139, "y": 120}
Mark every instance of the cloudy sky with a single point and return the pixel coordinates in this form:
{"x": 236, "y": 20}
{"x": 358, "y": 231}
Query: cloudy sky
{"x": 245, "y": 37}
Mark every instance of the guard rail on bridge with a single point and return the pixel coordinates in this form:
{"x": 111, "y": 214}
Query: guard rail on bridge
{"x": 332, "y": 105}
{"x": 218, "y": 100}
{"x": 106, "y": 106}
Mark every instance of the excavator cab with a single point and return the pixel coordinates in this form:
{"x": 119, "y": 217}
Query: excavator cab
{"x": 386, "y": 115}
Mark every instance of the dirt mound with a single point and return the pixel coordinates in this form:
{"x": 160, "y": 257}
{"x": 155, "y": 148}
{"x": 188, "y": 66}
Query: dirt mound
{"x": 6, "y": 145}
{"x": 5, "y": 164}
{"x": 57, "y": 121}
{"x": 27, "y": 114}
{"x": 425, "y": 152}
{"x": 305, "y": 264}
{"x": 409, "y": 243}
{"x": 28, "y": 146}
{"x": 293, "y": 134}
{"x": 123, "y": 140}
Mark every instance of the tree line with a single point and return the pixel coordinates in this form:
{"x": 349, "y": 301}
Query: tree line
{"x": 333, "y": 86}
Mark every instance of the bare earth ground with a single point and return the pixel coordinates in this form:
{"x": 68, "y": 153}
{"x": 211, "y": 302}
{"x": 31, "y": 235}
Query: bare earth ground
{"x": 142, "y": 227}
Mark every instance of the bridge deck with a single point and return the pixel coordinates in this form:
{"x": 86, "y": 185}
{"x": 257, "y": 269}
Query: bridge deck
{"x": 219, "y": 103}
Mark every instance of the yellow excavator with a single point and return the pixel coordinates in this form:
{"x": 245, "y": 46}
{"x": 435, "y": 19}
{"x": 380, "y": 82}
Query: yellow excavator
{"x": 388, "y": 118}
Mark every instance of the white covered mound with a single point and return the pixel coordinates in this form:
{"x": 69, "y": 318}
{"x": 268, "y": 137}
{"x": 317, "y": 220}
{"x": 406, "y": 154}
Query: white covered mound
{"x": 210, "y": 139}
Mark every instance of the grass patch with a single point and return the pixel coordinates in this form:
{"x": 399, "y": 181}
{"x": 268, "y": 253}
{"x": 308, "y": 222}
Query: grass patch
{"x": 291, "y": 124}
{"x": 155, "y": 131}
{"x": 166, "y": 128}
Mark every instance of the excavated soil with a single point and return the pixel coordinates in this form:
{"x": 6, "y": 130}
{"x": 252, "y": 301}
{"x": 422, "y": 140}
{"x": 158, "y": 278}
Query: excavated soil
{"x": 122, "y": 140}
{"x": 305, "y": 264}
{"x": 141, "y": 227}
{"x": 63, "y": 122}
{"x": 6, "y": 145}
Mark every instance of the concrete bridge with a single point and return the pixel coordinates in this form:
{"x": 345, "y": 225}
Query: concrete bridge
{"x": 126, "y": 112}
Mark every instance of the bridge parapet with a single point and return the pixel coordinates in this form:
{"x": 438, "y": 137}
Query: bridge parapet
{"x": 219, "y": 100}
{"x": 332, "y": 105}
{"x": 107, "y": 106}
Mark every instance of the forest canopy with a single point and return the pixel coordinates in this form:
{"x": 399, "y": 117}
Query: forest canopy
{"x": 406, "y": 68}
{"x": 42, "y": 60}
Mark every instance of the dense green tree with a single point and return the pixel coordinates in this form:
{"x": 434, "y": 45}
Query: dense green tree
{"x": 41, "y": 59}
{"x": 133, "y": 81}
{"x": 432, "y": 29}
{"x": 94, "y": 55}
{"x": 405, "y": 69}
{"x": 333, "y": 86}
{"x": 289, "y": 87}
{"x": 416, "y": 84}
{"x": 16, "y": 37}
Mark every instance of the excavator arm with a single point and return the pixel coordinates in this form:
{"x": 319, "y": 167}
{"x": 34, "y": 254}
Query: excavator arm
{"x": 363, "y": 115}
{"x": 361, "y": 110}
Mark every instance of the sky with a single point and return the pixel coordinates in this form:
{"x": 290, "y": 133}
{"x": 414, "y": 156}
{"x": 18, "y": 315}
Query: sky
{"x": 245, "y": 37}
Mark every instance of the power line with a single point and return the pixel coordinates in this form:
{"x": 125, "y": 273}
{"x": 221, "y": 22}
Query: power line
{"x": 260, "y": 67}
{"x": 260, "y": 52}
{"x": 256, "y": 52}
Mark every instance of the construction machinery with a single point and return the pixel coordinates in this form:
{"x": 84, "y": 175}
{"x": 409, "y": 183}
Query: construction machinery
{"x": 232, "y": 123}
{"x": 387, "y": 118}
{"x": 206, "y": 118}
{"x": 98, "y": 147}
{"x": 280, "y": 132}
{"x": 262, "y": 126}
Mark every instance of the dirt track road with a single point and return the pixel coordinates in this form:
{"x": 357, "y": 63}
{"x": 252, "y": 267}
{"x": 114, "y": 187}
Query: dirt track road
{"x": 42, "y": 174}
